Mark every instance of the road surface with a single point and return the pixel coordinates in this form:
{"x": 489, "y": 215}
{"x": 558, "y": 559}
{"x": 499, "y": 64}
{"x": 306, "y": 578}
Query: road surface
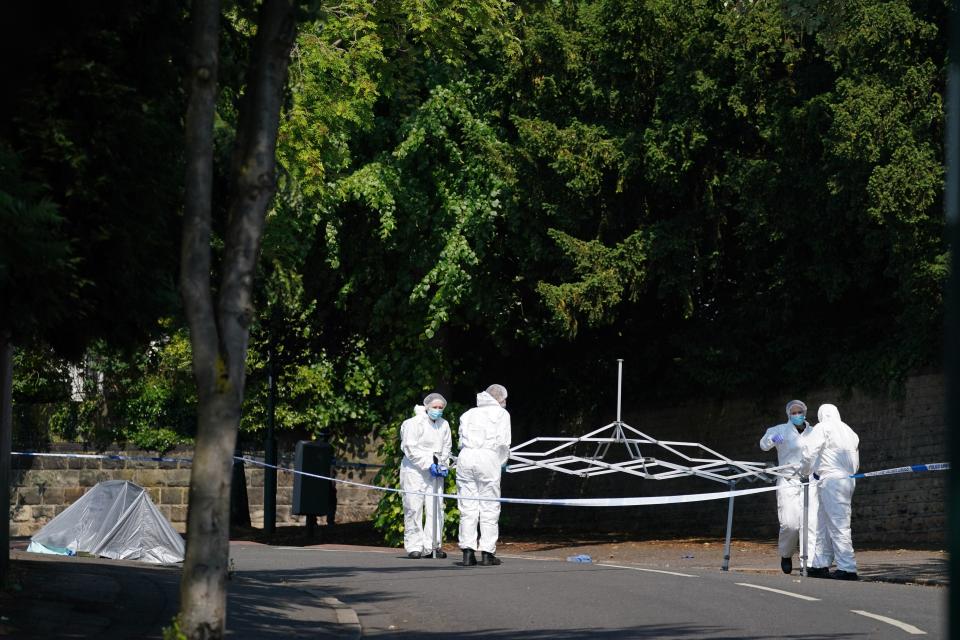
{"x": 537, "y": 598}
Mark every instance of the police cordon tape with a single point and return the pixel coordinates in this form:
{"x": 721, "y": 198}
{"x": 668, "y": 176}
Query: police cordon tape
{"x": 558, "y": 502}
{"x": 916, "y": 468}
{"x": 106, "y": 456}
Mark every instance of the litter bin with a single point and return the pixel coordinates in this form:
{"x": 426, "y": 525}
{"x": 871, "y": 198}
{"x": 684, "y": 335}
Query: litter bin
{"x": 311, "y": 496}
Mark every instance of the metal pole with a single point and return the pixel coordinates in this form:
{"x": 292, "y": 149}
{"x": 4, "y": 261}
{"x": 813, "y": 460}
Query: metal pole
{"x": 436, "y": 517}
{"x": 435, "y": 525}
{"x": 726, "y": 544}
{"x": 619, "y": 385}
{"x": 804, "y": 532}
{"x": 270, "y": 450}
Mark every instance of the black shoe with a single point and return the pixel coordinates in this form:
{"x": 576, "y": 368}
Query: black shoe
{"x": 414, "y": 555}
{"x": 469, "y": 558}
{"x": 786, "y": 565}
{"x": 818, "y": 572}
{"x": 840, "y": 574}
{"x": 439, "y": 553}
{"x": 488, "y": 559}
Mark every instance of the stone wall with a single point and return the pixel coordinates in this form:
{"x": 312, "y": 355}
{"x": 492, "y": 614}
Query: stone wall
{"x": 905, "y": 510}
{"x": 42, "y": 487}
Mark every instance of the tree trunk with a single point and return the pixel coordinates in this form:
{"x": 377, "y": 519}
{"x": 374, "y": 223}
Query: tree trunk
{"x": 219, "y": 339}
{"x": 6, "y": 439}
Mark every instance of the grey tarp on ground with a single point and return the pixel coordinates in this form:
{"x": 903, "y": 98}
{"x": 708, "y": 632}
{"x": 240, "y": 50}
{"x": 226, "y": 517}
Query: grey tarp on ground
{"x": 115, "y": 519}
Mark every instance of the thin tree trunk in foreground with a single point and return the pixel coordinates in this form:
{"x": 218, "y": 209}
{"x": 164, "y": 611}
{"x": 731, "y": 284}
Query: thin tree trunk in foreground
{"x": 6, "y": 440}
{"x": 219, "y": 332}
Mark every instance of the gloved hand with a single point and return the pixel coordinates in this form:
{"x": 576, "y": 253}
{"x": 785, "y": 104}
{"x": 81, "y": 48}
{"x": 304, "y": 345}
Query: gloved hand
{"x": 439, "y": 470}
{"x": 777, "y": 439}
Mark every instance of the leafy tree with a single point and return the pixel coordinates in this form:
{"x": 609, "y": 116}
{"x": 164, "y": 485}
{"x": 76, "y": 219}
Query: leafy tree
{"x": 727, "y": 182}
{"x": 88, "y": 135}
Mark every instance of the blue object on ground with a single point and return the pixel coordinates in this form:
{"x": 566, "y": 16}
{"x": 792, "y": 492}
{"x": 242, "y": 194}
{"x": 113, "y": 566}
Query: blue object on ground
{"x": 580, "y": 558}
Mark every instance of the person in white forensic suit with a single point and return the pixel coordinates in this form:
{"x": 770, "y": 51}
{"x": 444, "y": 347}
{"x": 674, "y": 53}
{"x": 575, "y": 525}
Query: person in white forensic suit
{"x": 484, "y": 450}
{"x": 831, "y": 455}
{"x": 786, "y": 438}
{"x": 426, "y": 443}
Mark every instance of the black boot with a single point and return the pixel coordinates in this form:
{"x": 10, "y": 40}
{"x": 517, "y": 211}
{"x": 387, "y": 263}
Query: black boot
{"x": 818, "y": 572}
{"x": 415, "y": 555}
{"x": 439, "y": 553}
{"x": 786, "y": 565}
{"x": 488, "y": 559}
{"x": 469, "y": 558}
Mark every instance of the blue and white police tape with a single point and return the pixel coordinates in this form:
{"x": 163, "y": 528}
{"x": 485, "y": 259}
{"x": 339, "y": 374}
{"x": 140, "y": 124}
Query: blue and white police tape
{"x": 100, "y": 456}
{"x": 106, "y": 456}
{"x": 915, "y": 468}
{"x": 560, "y": 502}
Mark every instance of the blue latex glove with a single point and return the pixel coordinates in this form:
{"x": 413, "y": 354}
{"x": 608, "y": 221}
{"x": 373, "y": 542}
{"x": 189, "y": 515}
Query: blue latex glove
{"x": 443, "y": 470}
{"x": 435, "y": 470}
{"x": 777, "y": 439}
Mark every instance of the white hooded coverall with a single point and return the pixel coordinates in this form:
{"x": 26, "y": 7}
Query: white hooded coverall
{"x": 484, "y": 448}
{"x": 420, "y": 439}
{"x": 831, "y": 452}
{"x": 790, "y": 492}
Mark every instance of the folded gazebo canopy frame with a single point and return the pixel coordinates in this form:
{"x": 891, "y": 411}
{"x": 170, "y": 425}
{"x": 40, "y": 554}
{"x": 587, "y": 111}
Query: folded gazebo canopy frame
{"x": 694, "y": 459}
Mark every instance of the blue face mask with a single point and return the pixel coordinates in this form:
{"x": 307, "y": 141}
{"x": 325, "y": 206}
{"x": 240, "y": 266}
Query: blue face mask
{"x": 797, "y": 420}
{"x": 435, "y": 413}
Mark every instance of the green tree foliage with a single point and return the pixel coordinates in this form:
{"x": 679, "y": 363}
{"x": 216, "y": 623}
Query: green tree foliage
{"x": 145, "y": 399}
{"x": 34, "y": 248}
{"x": 393, "y": 188}
{"x": 93, "y": 110}
{"x": 90, "y": 145}
{"x": 735, "y": 197}
{"x": 760, "y": 178}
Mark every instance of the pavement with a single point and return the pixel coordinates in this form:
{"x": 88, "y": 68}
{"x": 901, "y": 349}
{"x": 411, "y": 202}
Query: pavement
{"x": 82, "y": 597}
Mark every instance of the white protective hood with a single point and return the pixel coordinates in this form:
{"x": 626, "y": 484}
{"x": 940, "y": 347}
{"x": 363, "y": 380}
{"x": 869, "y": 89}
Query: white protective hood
{"x": 115, "y": 519}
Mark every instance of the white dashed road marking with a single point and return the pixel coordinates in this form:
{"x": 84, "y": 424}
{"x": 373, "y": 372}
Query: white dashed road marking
{"x": 909, "y": 628}
{"x": 780, "y": 591}
{"x": 669, "y": 573}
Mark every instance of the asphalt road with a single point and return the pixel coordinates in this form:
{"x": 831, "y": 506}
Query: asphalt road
{"x": 538, "y": 598}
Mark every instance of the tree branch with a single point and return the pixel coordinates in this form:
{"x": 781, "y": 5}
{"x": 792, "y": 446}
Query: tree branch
{"x": 254, "y": 174}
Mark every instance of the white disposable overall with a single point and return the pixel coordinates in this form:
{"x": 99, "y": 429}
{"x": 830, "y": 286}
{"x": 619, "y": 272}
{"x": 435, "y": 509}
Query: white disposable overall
{"x": 421, "y": 439}
{"x": 484, "y": 448}
{"x": 790, "y": 492}
{"x": 831, "y": 453}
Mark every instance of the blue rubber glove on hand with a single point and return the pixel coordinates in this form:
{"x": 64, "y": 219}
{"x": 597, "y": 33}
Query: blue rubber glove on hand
{"x": 777, "y": 439}
{"x": 439, "y": 470}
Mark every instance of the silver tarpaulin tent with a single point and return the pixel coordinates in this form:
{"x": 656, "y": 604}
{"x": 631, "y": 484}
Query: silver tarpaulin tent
{"x": 115, "y": 519}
